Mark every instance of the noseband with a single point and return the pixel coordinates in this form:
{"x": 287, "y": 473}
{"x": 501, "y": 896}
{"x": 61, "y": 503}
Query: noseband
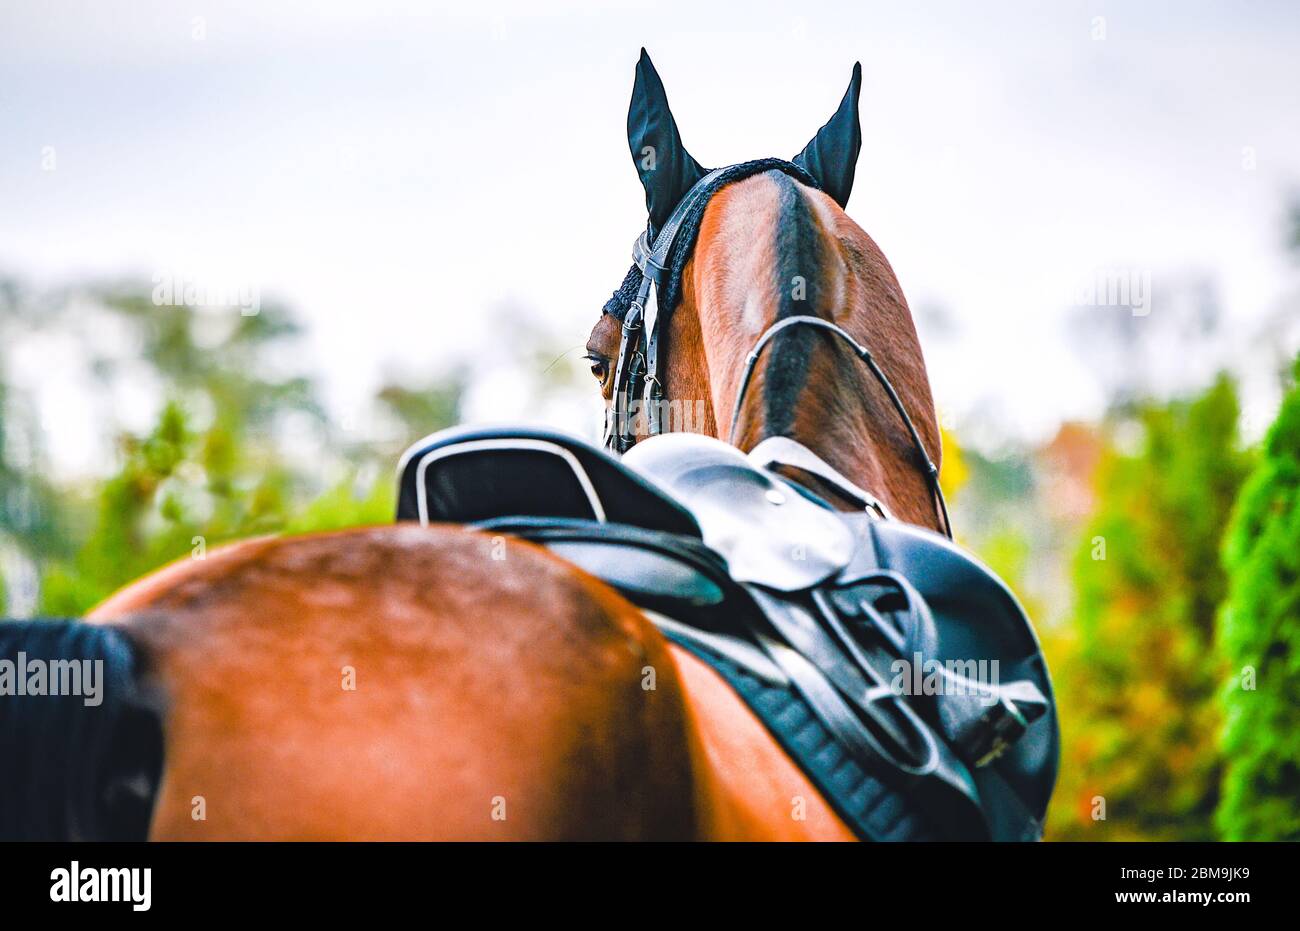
{"x": 637, "y": 381}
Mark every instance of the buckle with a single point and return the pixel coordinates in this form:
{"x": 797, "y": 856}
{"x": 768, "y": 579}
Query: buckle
{"x": 651, "y": 394}
{"x": 996, "y": 731}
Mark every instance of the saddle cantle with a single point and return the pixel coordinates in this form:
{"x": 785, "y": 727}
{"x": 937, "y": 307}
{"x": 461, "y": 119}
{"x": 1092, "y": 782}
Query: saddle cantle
{"x": 468, "y": 474}
{"x": 895, "y": 669}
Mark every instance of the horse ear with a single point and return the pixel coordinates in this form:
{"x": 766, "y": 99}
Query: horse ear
{"x": 666, "y": 168}
{"x": 832, "y": 155}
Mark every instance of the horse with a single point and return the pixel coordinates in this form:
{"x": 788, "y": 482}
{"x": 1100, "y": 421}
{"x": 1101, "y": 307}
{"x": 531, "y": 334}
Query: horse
{"x": 398, "y": 682}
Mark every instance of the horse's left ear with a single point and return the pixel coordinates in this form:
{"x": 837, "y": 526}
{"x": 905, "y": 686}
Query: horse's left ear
{"x": 667, "y": 170}
{"x": 832, "y": 155}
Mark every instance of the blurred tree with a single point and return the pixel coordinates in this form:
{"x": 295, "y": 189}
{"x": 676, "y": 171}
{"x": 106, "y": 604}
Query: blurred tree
{"x": 29, "y": 516}
{"x": 995, "y": 513}
{"x": 239, "y": 446}
{"x": 215, "y": 466}
{"x": 1137, "y": 674}
{"x": 420, "y": 409}
{"x": 1259, "y": 630}
{"x": 1162, "y": 352}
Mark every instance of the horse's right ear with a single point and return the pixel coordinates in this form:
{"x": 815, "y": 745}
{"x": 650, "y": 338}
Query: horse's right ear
{"x": 666, "y": 168}
{"x": 832, "y": 155}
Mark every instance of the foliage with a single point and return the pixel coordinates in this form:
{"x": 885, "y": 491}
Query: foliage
{"x": 1137, "y": 673}
{"x": 178, "y": 492}
{"x": 240, "y": 446}
{"x": 424, "y": 407}
{"x": 366, "y": 498}
{"x": 1259, "y": 630}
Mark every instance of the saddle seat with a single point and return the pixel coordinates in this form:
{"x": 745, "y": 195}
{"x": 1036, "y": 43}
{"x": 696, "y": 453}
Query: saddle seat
{"x": 867, "y": 632}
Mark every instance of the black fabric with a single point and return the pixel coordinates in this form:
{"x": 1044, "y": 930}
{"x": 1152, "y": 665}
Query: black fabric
{"x": 624, "y": 294}
{"x": 684, "y": 245}
{"x": 832, "y": 155}
{"x": 69, "y": 771}
{"x": 667, "y": 170}
{"x": 874, "y": 810}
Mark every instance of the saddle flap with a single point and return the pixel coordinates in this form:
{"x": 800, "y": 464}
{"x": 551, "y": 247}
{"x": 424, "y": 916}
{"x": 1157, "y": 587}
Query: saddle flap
{"x": 651, "y": 568}
{"x": 770, "y": 533}
{"x": 969, "y": 616}
{"x": 468, "y": 475}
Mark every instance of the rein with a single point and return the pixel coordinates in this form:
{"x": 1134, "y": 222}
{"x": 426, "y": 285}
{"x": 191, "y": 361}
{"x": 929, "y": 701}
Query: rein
{"x": 927, "y": 464}
{"x": 659, "y": 261}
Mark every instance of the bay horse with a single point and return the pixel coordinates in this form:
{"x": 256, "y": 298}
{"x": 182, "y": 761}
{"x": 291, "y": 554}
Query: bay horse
{"x": 397, "y": 683}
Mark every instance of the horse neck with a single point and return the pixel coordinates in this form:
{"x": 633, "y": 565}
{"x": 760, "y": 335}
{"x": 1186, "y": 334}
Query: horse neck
{"x": 770, "y": 248}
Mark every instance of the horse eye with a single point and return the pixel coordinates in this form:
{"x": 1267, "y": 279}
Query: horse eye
{"x": 599, "y": 368}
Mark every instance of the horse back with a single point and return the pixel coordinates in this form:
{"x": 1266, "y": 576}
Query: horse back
{"x": 406, "y": 682}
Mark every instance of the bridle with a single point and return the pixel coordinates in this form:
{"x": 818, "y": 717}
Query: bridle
{"x": 638, "y": 384}
{"x": 636, "y": 371}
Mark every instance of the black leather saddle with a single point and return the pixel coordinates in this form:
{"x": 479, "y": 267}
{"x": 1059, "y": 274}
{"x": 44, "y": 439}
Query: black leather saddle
{"x": 464, "y": 475}
{"x": 895, "y": 669}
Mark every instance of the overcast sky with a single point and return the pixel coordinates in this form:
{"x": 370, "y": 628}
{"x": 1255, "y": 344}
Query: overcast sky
{"x": 397, "y": 171}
